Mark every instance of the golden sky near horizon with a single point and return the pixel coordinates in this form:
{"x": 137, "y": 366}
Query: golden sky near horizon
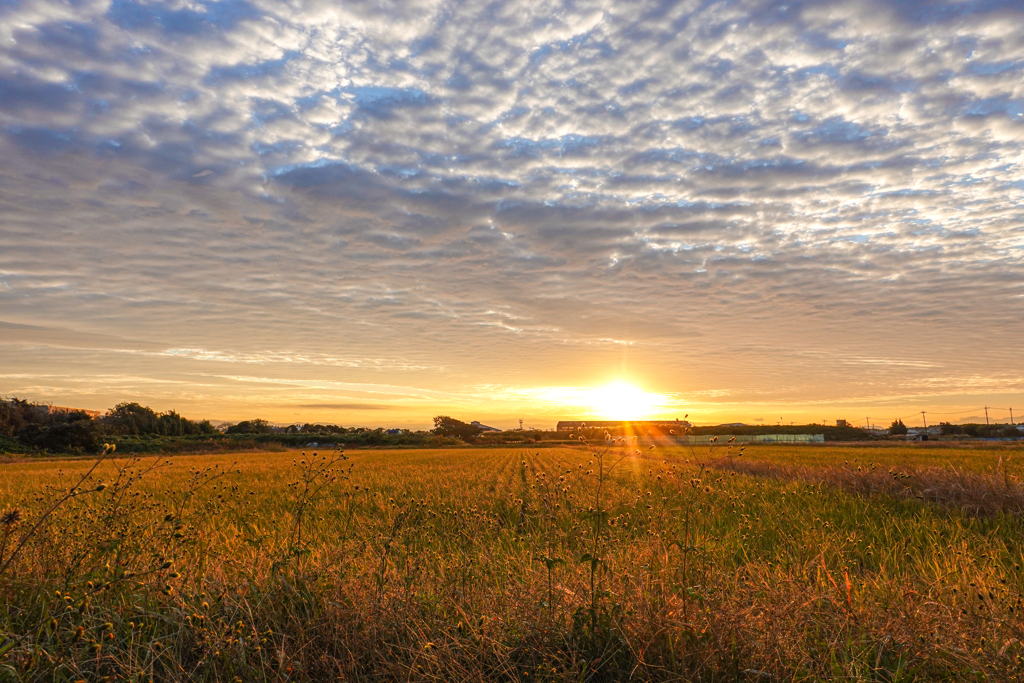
{"x": 372, "y": 214}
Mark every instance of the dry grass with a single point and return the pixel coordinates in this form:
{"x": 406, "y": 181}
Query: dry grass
{"x": 972, "y": 492}
{"x": 499, "y": 564}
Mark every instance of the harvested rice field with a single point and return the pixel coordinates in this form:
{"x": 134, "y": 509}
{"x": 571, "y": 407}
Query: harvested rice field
{"x": 795, "y": 563}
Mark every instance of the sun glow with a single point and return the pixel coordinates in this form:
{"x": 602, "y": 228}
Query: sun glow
{"x": 618, "y": 400}
{"x": 623, "y": 401}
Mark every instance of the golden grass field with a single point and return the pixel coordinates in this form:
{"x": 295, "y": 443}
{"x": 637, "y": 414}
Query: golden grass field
{"x": 571, "y": 563}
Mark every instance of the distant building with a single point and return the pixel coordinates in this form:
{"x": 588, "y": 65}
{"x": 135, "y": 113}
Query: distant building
{"x": 921, "y": 433}
{"x": 755, "y": 438}
{"x": 484, "y": 428}
{"x": 842, "y": 423}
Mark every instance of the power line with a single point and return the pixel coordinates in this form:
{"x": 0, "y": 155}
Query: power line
{"x": 867, "y": 420}
{"x": 961, "y": 412}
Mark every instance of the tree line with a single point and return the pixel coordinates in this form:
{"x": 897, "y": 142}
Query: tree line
{"x": 975, "y": 431}
{"x": 980, "y": 431}
{"x": 38, "y": 426}
{"x": 260, "y": 426}
{"x": 28, "y": 426}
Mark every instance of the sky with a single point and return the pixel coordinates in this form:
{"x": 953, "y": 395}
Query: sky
{"x": 371, "y": 213}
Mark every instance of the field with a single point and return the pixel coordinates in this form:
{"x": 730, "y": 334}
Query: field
{"x": 515, "y": 564}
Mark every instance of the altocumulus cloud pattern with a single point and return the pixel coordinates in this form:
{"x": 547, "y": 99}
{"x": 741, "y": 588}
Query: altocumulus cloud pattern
{"x": 736, "y": 199}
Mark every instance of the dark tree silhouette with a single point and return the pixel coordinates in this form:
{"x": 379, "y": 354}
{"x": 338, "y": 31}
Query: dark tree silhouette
{"x": 897, "y": 428}
{"x": 449, "y": 426}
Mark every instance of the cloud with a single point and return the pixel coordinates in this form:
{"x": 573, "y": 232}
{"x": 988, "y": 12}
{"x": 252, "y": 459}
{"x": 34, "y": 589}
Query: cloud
{"x": 346, "y": 406}
{"x": 502, "y": 189}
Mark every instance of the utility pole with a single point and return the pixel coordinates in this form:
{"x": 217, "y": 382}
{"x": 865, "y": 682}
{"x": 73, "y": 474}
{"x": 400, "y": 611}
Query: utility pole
{"x": 924, "y": 420}
{"x": 986, "y": 415}
{"x": 867, "y": 423}
{"x": 1011, "y": 416}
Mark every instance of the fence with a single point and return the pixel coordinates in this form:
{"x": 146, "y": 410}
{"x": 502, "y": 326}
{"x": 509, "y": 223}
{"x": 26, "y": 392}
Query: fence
{"x": 758, "y": 438}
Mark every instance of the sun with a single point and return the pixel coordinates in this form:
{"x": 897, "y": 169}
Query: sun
{"x": 616, "y": 401}
{"x": 623, "y": 401}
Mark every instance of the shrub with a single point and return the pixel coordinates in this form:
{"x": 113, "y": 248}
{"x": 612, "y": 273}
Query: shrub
{"x": 897, "y": 428}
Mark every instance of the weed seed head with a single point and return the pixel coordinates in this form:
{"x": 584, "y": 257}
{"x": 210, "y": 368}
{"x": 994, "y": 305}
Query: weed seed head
{"x": 11, "y": 517}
